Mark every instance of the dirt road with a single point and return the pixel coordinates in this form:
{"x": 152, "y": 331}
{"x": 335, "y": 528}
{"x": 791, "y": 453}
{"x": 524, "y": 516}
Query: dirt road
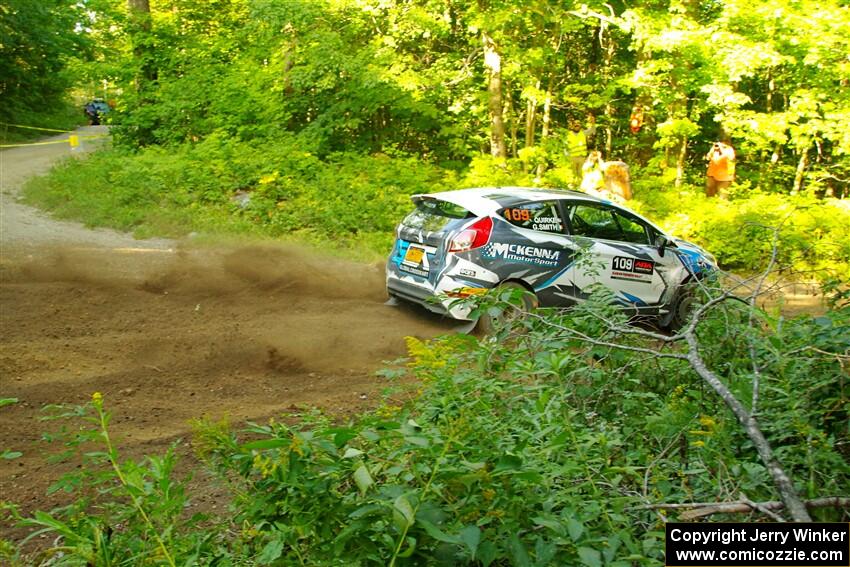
{"x": 169, "y": 332}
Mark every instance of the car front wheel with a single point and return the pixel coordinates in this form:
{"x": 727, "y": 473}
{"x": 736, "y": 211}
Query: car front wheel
{"x": 683, "y": 307}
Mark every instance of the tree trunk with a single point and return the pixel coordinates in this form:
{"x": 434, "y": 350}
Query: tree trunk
{"x": 139, "y": 26}
{"x": 513, "y": 120}
{"x": 530, "y": 120}
{"x": 801, "y": 170}
{"x": 764, "y": 164}
{"x": 606, "y": 42}
{"x": 493, "y": 62}
{"x": 680, "y": 163}
{"x": 547, "y": 108}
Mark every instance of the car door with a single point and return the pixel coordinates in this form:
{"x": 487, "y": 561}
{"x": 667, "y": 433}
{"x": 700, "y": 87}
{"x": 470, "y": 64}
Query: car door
{"x": 531, "y": 246}
{"x": 617, "y": 253}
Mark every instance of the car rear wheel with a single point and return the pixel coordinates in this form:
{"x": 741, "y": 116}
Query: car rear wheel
{"x": 490, "y": 322}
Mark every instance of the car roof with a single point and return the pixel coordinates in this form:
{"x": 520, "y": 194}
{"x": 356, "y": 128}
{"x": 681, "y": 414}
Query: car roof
{"x": 486, "y": 200}
{"x": 482, "y": 201}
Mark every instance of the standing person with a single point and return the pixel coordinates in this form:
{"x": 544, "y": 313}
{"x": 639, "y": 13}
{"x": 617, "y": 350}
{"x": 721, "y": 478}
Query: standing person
{"x": 576, "y": 148}
{"x": 721, "y": 170}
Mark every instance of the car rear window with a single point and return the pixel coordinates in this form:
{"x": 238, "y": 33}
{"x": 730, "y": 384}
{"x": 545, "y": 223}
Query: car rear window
{"x": 433, "y": 215}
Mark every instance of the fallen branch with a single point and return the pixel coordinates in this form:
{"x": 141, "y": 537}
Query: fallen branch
{"x": 702, "y": 509}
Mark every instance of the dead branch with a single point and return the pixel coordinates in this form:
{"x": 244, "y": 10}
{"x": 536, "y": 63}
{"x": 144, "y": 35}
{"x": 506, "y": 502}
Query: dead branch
{"x": 702, "y": 509}
{"x": 781, "y": 480}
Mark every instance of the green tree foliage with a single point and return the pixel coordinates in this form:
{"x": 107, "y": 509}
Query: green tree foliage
{"x": 411, "y": 77}
{"x": 391, "y": 76}
{"x": 37, "y": 42}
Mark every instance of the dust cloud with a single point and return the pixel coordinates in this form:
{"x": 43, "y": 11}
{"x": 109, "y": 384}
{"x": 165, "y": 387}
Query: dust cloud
{"x": 169, "y": 335}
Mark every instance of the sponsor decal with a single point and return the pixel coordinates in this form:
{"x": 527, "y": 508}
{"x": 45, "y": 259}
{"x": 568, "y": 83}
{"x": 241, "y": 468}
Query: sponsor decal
{"x": 467, "y": 273}
{"x": 522, "y": 253}
{"x": 632, "y": 269}
{"x": 412, "y": 270}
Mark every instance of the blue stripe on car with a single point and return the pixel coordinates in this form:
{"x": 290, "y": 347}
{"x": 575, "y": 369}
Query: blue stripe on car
{"x": 691, "y": 260}
{"x": 552, "y": 280}
{"x": 400, "y": 250}
{"x": 632, "y": 298}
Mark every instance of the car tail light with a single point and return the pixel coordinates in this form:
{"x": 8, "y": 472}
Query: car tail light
{"x": 473, "y": 236}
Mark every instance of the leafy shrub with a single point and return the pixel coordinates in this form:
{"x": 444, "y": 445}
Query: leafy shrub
{"x": 529, "y": 448}
{"x": 128, "y": 512}
{"x": 813, "y": 234}
{"x": 61, "y": 115}
{"x": 537, "y": 448}
{"x": 347, "y": 199}
{"x": 356, "y": 200}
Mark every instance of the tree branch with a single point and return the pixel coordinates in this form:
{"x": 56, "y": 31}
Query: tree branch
{"x": 780, "y": 479}
{"x": 702, "y": 509}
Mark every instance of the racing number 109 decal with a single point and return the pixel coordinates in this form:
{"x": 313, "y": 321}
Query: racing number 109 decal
{"x": 632, "y": 269}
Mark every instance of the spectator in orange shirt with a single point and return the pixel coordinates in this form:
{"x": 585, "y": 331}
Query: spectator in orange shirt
{"x": 721, "y": 169}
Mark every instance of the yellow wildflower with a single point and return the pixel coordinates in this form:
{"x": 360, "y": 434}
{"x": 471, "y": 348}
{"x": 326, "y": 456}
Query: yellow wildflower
{"x": 707, "y": 421}
{"x": 296, "y": 446}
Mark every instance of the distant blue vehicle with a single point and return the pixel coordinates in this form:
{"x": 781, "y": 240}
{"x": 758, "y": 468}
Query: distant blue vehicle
{"x": 461, "y": 243}
{"x": 95, "y": 110}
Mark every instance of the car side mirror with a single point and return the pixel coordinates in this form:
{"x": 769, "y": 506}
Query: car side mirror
{"x": 662, "y": 242}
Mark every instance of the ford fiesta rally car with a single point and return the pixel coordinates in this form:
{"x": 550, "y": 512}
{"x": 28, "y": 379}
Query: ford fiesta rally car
{"x": 460, "y": 243}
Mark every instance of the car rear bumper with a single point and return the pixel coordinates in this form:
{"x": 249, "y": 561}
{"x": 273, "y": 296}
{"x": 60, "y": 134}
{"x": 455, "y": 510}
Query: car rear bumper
{"x": 427, "y": 297}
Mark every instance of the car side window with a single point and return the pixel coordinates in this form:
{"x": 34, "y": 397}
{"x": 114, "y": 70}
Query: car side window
{"x": 542, "y": 216}
{"x": 633, "y": 230}
{"x": 607, "y": 224}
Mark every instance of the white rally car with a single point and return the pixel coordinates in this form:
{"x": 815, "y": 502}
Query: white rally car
{"x": 458, "y": 243}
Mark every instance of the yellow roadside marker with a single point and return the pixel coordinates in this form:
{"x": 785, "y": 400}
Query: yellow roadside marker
{"x": 73, "y": 141}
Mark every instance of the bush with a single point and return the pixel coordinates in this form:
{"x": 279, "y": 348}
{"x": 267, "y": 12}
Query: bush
{"x": 63, "y": 115}
{"x": 814, "y": 233}
{"x": 278, "y": 187}
{"x": 225, "y": 185}
{"x": 530, "y": 448}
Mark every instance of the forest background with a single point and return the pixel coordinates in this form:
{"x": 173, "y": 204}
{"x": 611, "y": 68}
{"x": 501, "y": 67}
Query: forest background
{"x": 319, "y": 119}
{"x": 571, "y": 442}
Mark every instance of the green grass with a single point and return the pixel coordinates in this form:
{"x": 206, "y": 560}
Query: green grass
{"x": 65, "y": 117}
{"x": 351, "y": 203}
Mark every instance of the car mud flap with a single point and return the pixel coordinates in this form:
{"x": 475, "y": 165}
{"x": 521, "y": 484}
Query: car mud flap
{"x": 464, "y": 327}
{"x": 460, "y": 326}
